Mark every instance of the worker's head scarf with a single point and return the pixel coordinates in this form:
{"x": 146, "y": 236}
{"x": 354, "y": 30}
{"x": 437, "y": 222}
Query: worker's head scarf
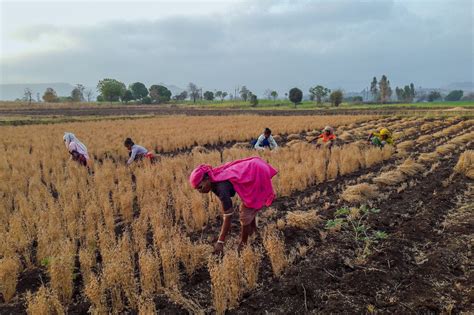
{"x": 250, "y": 177}
{"x": 329, "y": 128}
{"x": 70, "y": 137}
{"x": 198, "y": 174}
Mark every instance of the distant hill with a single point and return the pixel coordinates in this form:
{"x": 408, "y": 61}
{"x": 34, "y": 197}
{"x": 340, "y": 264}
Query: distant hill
{"x": 467, "y": 86}
{"x": 10, "y": 92}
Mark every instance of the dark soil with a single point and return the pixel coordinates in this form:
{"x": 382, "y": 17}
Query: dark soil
{"x": 162, "y": 110}
{"x": 395, "y": 278}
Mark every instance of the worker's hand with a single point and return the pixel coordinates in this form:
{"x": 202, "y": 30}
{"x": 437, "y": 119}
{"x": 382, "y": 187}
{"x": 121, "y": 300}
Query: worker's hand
{"x": 218, "y": 248}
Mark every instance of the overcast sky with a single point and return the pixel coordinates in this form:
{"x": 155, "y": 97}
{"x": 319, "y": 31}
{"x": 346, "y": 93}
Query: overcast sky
{"x": 219, "y": 44}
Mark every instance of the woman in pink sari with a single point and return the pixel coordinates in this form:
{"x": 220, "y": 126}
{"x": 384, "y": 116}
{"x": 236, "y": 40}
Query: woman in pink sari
{"x": 250, "y": 178}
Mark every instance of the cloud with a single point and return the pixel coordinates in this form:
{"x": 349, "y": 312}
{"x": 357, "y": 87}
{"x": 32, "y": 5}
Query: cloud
{"x": 263, "y": 44}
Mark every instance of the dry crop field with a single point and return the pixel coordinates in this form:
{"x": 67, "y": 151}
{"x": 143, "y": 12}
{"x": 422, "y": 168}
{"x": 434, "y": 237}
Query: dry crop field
{"x": 354, "y": 229}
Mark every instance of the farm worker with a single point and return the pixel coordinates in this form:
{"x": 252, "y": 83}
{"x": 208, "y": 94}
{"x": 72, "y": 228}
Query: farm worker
{"x": 381, "y": 138}
{"x": 265, "y": 140}
{"x": 137, "y": 152}
{"x": 76, "y": 148}
{"x": 250, "y": 178}
{"x": 328, "y": 135}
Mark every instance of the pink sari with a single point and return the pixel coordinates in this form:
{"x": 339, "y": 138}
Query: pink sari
{"x": 251, "y": 178}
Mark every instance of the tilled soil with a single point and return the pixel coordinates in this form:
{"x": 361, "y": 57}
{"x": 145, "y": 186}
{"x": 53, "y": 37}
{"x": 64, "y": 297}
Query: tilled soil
{"x": 170, "y": 110}
{"x": 423, "y": 266}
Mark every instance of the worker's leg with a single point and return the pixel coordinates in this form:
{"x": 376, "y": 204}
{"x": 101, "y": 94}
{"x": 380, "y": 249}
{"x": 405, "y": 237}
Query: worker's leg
{"x": 247, "y": 224}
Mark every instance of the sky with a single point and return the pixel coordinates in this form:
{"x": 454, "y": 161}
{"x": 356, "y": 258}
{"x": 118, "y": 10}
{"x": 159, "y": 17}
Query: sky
{"x": 221, "y": 44}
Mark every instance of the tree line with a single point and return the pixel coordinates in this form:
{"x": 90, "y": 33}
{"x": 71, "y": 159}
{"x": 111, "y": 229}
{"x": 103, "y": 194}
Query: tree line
{"x": 112, "y": 90}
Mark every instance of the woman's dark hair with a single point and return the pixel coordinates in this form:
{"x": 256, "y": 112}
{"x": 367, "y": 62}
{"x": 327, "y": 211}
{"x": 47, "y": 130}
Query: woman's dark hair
{"x": 128, "y": 142}
{"x": 267, "y": 130}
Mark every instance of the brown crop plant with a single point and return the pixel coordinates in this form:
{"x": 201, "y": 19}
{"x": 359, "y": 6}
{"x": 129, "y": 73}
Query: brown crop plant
{"x": 302, "y": 219}
{"x": 360, "y": 193}
{"x": 227, "y": 281}
{"x": 150, "y": 277}
{"x": 275, "y": 247}
{"x": 9, "y": 271}
{"x": 251, "y": 259}
{"x": 44, "y": 302}
{"x": 61, "y": 270}
{"x": 465, "y": 164}
{"x": 94, "y": 291}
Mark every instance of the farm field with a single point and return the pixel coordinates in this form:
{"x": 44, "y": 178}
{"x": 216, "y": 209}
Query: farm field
{"x": 355, "y": 229}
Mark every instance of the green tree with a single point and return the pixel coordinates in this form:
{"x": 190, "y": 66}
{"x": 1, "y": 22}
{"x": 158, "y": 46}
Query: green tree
{"x": 160, "y": 94}
{"x": 181, "y": 96}
{"x": 253, "y": 100}
{"x": 433, "y": 96}
{"x": 77, "y": 94}
{"x": 111, "y": 89}
{"x": 138, "y": 90}
{"x": 50, "y": 96}
{"x": 209, "y": 96}
{"x": 318, "y": 92}
{"x": 295, "y": 96}
{"x": 385, "y": 90}
{"x": 146, "y": 100}
{"x": 454, "y": 96}
{"x": 244, "y": 93}
{"x": 336, "y": 97}
{"x": 373, "y": 89}
{"x": 193, "y": 91}
{"x": 274, "y": 95}
{"x": 127, "y": 96}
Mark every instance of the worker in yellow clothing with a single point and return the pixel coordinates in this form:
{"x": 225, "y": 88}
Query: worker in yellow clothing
{"x": 381, "y": 138}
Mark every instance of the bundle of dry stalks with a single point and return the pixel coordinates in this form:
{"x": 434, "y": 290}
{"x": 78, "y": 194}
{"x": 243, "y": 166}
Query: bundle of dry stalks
{"x": 390, "y": 178}
{"x": 446, "y": 148}
{"x": 428, "y": 157}
{"x": 405, "y": 145}
{"x": 410, "y": 167}
{"x": 424, "y": 139}
{"x": 360, "y": 193}
{"x": 293, "y": 136}
{"x": 345, "y": 136}
{"x": 275, "y": 248}
{"x": 302, "y": 219}
{"x": 465, "y": 164}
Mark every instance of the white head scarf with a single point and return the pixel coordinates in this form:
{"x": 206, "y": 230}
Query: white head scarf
{"x": 81, "y": 148}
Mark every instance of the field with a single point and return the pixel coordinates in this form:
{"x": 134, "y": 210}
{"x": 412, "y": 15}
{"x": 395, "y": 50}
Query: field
{"x": 355, "y": 229}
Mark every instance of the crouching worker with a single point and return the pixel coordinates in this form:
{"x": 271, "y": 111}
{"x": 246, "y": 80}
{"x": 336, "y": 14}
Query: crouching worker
{"x": 76, "y": 149}
{"x": 137, "y": 152}
{"x": 381, "y": 138}
{"x": 265, "y": 141}
{"x": 327, "y": 136}
{"x": 250, "y": 178}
